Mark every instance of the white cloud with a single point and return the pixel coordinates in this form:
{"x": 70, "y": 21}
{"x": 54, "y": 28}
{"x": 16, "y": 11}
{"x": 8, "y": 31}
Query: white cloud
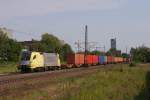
{"x": 11, "y": 8}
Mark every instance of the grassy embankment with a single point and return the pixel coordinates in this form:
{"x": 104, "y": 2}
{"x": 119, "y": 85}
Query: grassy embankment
{"x": 120, "y": 83}
{"x": 8, "y": 67}
{"x": 123, "y": 83}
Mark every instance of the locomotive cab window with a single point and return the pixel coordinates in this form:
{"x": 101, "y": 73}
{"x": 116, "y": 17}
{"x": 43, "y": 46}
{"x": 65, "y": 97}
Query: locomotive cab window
{"x": 25, "y": 55}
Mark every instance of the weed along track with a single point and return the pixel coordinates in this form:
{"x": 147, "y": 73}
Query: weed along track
{"x": 8, "y": 84}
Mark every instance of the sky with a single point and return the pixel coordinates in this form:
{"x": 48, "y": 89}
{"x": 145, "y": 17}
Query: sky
{"x": 127, "y": 20}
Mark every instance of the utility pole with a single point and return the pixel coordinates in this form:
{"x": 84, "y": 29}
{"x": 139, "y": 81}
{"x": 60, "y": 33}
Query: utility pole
{"x": 86, "y": 45}
{"x": 104, "y": 49}
{"x": 126, "y": 50}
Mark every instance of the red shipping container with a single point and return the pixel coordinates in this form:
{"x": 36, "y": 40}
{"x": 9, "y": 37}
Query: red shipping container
{"x": 89, "y": 59}
{"x": 110, "y": 59}
{"x": 124, "y": 59}
{"x": 115, "y": 59}
{"x": 95, "y": 59}
{"x": 121, "y": 59}
{"x": 76, "y": 59}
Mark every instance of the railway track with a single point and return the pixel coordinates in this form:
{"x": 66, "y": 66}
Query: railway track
{"x": 9, "y": 74}
{"x": 18, "y": 80}
{"x": 8, "y": 77}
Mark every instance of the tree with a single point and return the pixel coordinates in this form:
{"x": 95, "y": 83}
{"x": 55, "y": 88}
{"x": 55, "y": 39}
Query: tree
{"x": 125, "y": 55}
{"x": 97, "y": 53}
{"x": 9, "y": 48}
{"x": 66, "y": 49}
{"x": 140, "y": 54}
{"x": 51, "y": 43}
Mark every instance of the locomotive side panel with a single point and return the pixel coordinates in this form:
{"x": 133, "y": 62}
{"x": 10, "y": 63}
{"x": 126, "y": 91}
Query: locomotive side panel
{"x": 51, "y": 59}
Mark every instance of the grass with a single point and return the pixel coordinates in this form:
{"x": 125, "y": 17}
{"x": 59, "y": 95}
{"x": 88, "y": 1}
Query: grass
{"x": 117, "y": 84}
{"x": 120, "y": 83}
{"x": 8, "y": 67}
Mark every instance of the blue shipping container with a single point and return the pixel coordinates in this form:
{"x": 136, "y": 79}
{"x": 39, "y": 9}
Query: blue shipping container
{"x": 102, "y": 60}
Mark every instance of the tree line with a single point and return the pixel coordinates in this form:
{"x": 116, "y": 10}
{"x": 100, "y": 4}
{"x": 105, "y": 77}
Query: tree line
{"x": 10, "y": 49}
{"x": 140, "y": 54}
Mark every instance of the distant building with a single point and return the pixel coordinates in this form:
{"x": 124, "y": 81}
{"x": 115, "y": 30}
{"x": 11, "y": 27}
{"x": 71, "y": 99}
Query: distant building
{"x": 33, "y": 45}
{"x": 118, "y": 53}
{"x": 30, "y": 45}
{"x": 113, "y": 43}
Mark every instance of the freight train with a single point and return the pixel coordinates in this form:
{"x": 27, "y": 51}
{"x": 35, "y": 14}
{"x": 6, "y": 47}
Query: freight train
{"x": 37, "y": 61}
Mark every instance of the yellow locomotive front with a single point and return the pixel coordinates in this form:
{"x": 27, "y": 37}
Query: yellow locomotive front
{"x": 30, "y": 61}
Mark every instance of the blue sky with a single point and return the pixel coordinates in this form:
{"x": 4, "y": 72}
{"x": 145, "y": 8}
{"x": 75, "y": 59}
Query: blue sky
{"x": 128, "y": 19}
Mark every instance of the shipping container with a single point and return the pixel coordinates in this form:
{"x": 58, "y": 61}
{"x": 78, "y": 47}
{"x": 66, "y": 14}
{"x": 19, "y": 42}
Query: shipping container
{"x": 89, "y": 59}
{"x": 75, "y": 59}
{"x": 121, "y": 60}
{"x": 125, "y": 60}
{"x": 95, "y": 59}
{"x": 116, "y": 59}
{"x": 102, "y": 60}
{"x": 113, "y": 58}
{"x": 105, "y": 60}
{"x": 110, "y": 59}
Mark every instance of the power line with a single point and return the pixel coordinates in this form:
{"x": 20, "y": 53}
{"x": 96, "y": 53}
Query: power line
{"x": 79, "y": 46}
{"x": 101, "y": 47}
